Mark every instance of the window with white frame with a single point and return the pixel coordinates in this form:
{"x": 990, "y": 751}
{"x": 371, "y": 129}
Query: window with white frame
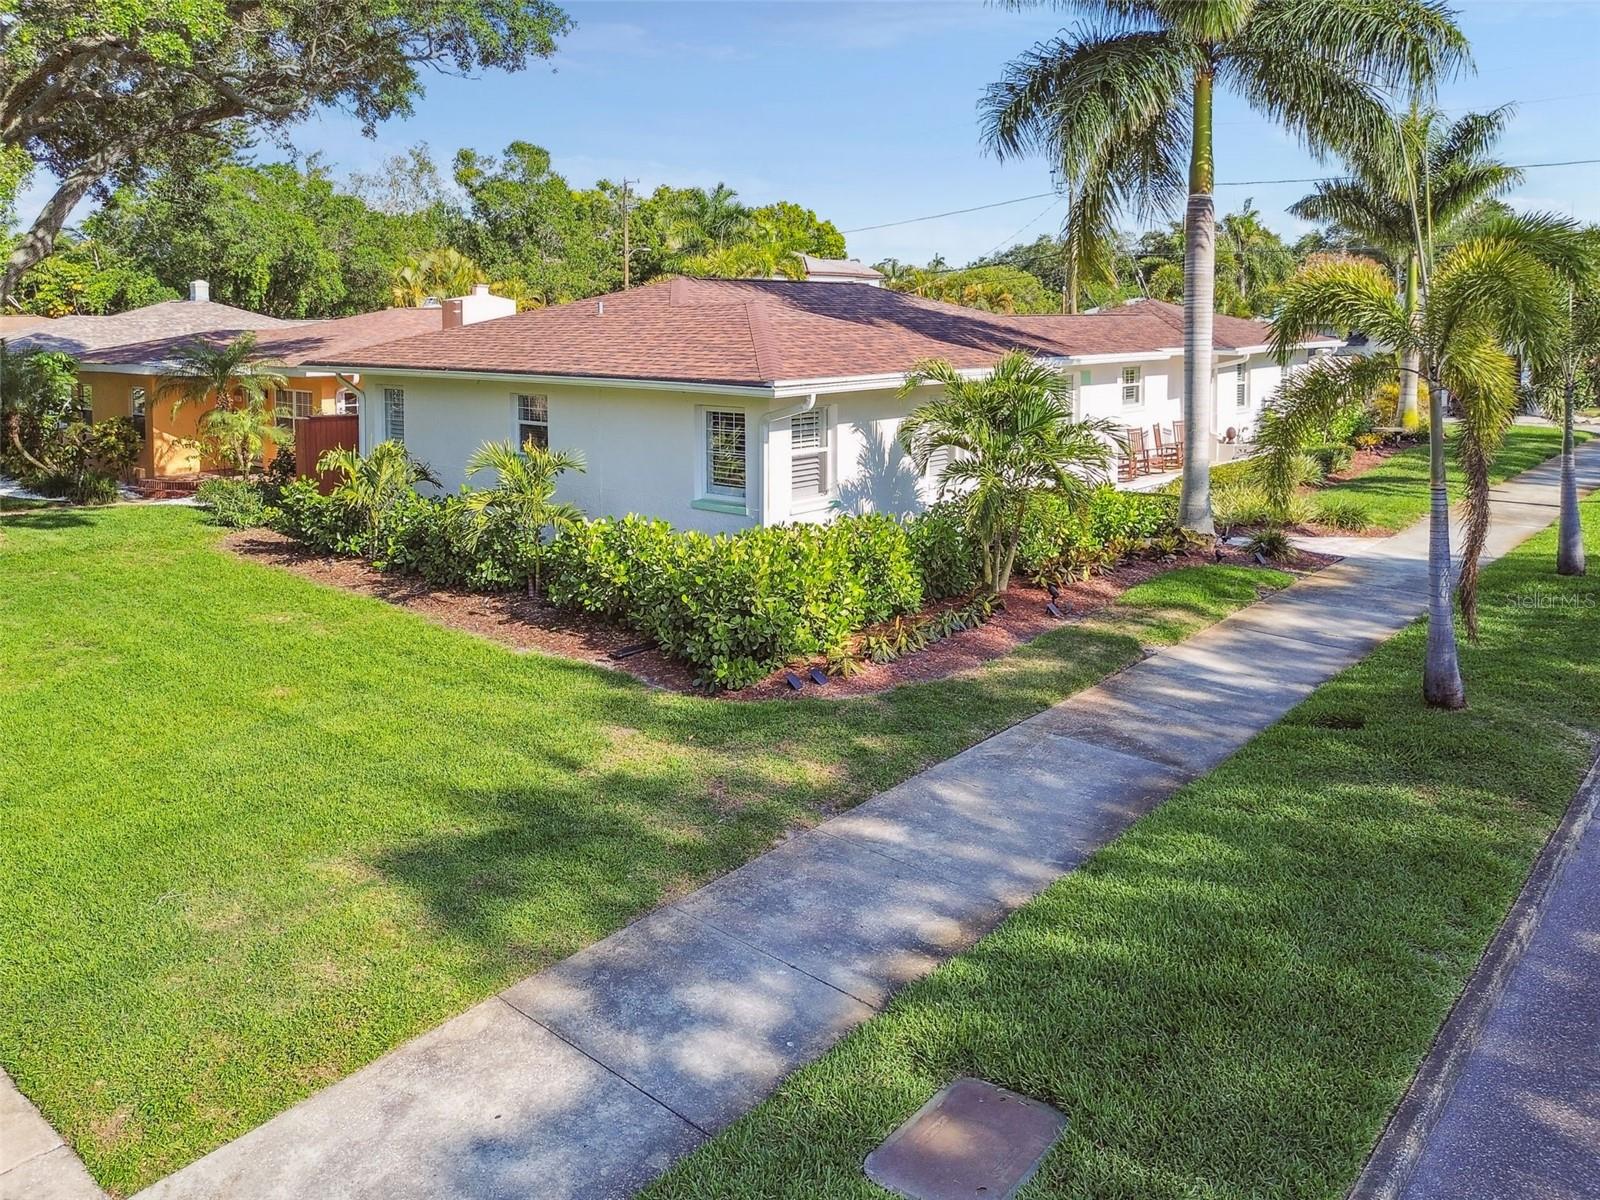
{"x": 394, "y": 414}
{"x": 137, "y": 399}
{"x": 291, "y": 406}
{"x": 1132, "y": 387}
{"x": 808, "y": 464}
{"x": 347, "y": 403}
{"x": 725, "y": 453}
{"x": 533, "y": 420}
{"x": 1241, "y": 386}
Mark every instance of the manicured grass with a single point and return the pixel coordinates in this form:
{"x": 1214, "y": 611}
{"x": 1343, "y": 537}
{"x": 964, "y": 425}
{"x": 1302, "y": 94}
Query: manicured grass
{"x": 1396, "y": 491}
{"x": 258, "y": 831}
{"x": 1227, "y": 1001}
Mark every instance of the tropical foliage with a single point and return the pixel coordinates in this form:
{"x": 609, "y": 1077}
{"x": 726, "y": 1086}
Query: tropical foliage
{"x": 370, "y": 485}
{"x": 241, "y": 387}
{"x": 1122, "y": 105}
{"x": 524, "y": 493}
{"x": 1005, "y": 439}
{"x": 1446, "y": 168}
{"x": 1497, "y": 294}
{"x": 98, "y": 94}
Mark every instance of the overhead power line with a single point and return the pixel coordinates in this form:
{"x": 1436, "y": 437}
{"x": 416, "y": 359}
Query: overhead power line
{"x": 956, "y": 212}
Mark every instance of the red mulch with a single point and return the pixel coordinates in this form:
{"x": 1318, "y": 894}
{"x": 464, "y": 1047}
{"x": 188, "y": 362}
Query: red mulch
{"x": 515, "y": 620}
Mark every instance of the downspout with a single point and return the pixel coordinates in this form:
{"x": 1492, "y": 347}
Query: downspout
{"x": 783, "y": 414}
{"x": 361, "y": 406}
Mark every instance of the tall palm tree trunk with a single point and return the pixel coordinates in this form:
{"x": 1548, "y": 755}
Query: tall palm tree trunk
{"x": 1441, "y": 672}
{"x": 1406, "y": 412}
{"x": 1570, "y": 558}
{"x": 1199, "y": 303}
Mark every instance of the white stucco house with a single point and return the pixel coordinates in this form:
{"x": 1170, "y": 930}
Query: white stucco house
{"x": 720, "y": 404}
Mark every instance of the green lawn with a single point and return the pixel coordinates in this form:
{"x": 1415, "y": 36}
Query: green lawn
{"x": 257, "y": 831}
{"x": 1396, "y": 491}
{"x": 1227, "y": 1001}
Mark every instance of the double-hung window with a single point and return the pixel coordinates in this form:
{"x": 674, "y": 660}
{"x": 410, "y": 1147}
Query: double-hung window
{"x": 1241, "y": 386}
{"x": 291, "y": 406}
{"x": 725, "y": 453}
{"x": 394, "y": 414}
{"x": 348, "y": 403}
{"x": 808, "y": 463}
{"x": 1132, "y": 387}
{"x": 533, "y": 420}
{"x": 138, "y": 399}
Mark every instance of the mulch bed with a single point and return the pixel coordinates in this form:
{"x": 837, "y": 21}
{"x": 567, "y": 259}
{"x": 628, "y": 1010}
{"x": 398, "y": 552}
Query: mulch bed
{"x": 515, "y": 620}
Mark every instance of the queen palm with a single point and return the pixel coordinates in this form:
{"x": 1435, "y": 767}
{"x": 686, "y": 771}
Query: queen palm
{"x": 525, "y": 493}
{"x": 220, "y": 374}
{"x": 370, "y": 485}
{"x": 1493, "y": 295}
{"x": 1008, "y": 436}
{"x": 1447, "y": 167}
{"x": 1120, "y": 103}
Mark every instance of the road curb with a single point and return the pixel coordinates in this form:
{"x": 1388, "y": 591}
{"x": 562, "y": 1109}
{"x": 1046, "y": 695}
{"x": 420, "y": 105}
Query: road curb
{"x": 1400, "y": 1147}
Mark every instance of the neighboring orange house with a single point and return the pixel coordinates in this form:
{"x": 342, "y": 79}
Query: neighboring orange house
{"x": 122, "y": 359}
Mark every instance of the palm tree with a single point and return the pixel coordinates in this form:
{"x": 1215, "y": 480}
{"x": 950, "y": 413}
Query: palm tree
{"x": 241, "y": 434}
{"x": 1261, "y": 260}
{"x": 1493, "y": 295}
{"x": 1581, "y": 352}
{"x": 433, "y": 275}
{"x": 1447, "y": 167}
{"x": 371, "y": 485}
{"x": 221, "y": 374}
{"x": 748, "y": 260}
{"x": 525, "y": 493}
{"x": 1121, "y": 101}
{"x": 1013, "y": 435}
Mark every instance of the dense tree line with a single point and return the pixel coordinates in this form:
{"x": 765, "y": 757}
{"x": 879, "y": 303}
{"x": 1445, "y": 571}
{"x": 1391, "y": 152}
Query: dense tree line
{"x": 292, "y": 240}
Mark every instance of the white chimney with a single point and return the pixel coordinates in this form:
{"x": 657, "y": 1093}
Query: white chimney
{"x": 199, "y": 291}
{"x": 478, "y": 305}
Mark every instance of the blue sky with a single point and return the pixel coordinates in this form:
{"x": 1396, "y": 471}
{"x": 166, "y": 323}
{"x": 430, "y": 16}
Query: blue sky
{"x": 867, "y": 112}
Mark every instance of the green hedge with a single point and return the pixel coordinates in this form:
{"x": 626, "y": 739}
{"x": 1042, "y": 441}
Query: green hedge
{"x": 735, "y": 606}
{"x": 1060, "y": 540}
{"x": 738, "y": 605}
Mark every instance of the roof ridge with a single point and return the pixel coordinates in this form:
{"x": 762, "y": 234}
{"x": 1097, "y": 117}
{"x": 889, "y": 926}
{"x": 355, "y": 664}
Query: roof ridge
{"x": 764, "y": 340}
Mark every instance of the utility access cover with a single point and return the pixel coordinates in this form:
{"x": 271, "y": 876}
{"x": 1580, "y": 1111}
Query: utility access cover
{"x": 972, "y": 1141}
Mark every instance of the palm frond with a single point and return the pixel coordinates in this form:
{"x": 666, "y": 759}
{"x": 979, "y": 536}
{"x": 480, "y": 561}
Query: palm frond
{"x": 1306, "y": 402}
{"x": 1342, "y": 294}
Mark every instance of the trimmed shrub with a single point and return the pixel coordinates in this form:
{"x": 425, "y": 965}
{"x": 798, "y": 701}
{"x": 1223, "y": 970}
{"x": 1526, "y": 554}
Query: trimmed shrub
{"x": 232, "y": 503}
{"x": 449, "y": 545}
{"x": 1247, "y": 506}
{"x": 948, "y": 561}
{"x": 1060, "y": 539}
{"x": 317, "y": 521}
{"x": 738, "y": 605}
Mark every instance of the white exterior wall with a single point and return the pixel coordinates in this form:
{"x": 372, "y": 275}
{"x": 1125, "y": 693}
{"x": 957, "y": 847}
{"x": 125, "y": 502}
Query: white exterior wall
{"x": 645, "y": 447}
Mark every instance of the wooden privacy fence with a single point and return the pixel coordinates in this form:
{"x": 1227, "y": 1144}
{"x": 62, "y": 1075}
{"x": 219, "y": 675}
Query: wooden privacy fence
{"x": 314, "y": 436}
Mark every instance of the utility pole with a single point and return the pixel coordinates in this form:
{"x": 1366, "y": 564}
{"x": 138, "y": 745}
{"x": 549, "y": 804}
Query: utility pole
{"x": 627, "y": 245}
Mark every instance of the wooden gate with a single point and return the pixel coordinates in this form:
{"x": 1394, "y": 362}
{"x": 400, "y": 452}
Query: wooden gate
{"x": 314, "y": 436}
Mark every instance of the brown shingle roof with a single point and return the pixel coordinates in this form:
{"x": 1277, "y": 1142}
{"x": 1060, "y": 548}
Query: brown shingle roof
{"x": 289, "y": 344}
{"x": 757, "y": 332}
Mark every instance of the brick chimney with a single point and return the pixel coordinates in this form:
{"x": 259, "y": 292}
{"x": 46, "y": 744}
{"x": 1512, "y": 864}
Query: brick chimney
{"x": 199, "y": 291}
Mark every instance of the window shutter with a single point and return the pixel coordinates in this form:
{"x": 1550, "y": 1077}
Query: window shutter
{"x": 808, "y": 466}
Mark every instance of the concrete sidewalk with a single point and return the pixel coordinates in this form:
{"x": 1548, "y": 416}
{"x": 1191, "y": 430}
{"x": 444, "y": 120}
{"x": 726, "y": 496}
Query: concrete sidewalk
{"x": 1522, "y": 1118}
{"x": 589, "y": 1078}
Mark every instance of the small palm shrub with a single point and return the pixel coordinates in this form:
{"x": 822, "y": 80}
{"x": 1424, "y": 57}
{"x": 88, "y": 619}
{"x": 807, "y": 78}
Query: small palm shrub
{"x": 232, "y": 503}
{"x": 1345, "y": 513}
{"x": 1272, "y": 543}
